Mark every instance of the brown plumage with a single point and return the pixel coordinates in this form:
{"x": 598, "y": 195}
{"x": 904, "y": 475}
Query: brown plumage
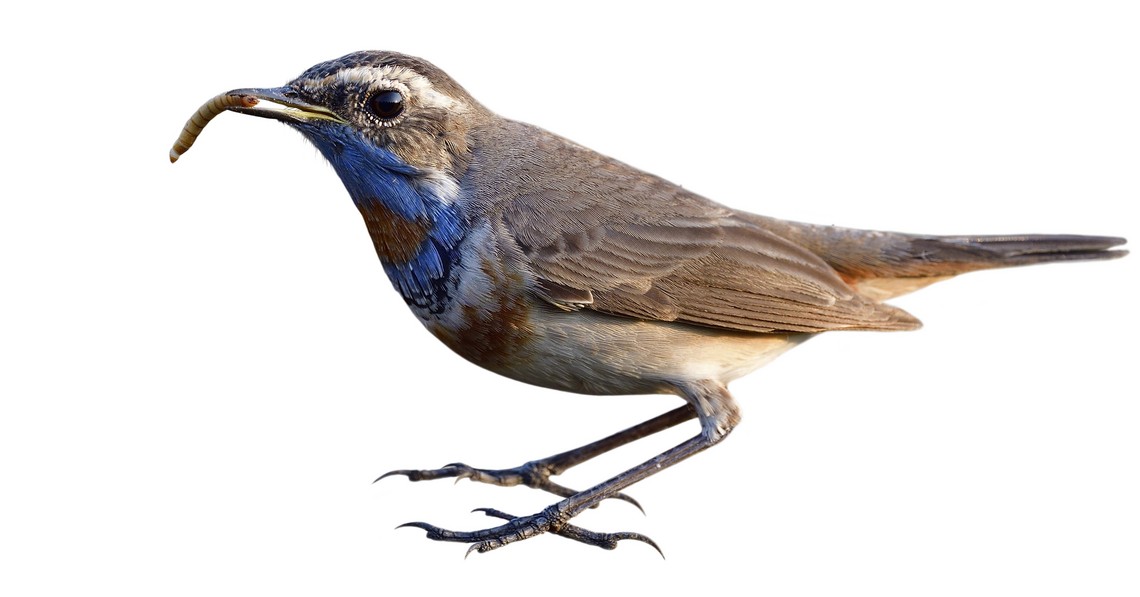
{"x": 552, "y": 264}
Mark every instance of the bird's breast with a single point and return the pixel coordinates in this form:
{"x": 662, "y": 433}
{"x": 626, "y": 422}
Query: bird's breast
{"x": 487, "y": 315}
{"x": 397, "y": 239}
{"x": 419, "y": 251}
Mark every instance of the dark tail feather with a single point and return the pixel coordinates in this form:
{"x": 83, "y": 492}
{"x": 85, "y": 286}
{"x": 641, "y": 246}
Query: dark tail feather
{"x": 1007, "y": 250}
{"x": 886, "y": 264}
{"x": 895, "y": 264}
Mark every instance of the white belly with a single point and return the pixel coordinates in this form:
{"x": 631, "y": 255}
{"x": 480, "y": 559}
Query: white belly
{"x": 593, "y": 353}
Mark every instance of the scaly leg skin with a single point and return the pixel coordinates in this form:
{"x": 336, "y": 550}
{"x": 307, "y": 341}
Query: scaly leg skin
{"x": 537, "y": 473}
{"x": 718, "y": 414}
{"x": 577, "y": 533}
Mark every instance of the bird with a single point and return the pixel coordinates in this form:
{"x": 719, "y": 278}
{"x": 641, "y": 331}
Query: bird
{"x": 554, "y": 265}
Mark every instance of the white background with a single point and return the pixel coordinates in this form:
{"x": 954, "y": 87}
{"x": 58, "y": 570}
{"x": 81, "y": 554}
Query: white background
{"x": 203, "y": 366}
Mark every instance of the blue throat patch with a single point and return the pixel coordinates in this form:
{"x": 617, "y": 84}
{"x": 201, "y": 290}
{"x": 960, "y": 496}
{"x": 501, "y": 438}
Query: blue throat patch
{"x": 377, "y": 179}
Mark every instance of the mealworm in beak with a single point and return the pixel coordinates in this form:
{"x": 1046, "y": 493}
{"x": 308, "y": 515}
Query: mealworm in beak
{"x": 216, "y": 105}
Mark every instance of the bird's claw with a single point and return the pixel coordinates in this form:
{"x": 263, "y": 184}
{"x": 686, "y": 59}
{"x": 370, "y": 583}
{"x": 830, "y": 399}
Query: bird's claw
{"x": 534, "y": 474}
{"x": 550, "y": 520}
{"x": 494, "y": 513}
{"x": 455, "y": 469}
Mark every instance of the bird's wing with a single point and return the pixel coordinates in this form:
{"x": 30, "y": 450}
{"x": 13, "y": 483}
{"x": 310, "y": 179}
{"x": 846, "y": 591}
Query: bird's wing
{"x": 662, "y": 253}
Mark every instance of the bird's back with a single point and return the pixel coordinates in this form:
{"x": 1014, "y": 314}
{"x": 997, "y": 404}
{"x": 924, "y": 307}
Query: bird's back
{"x": 595, "y": 233}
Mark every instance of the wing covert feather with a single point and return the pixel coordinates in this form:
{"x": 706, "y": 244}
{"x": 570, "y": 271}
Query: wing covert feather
{"x": 716, "y": 271}
{"x": 639, "y": 246}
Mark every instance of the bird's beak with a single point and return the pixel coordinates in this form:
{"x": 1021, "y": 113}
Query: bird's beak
{"x": 281, "y": 103}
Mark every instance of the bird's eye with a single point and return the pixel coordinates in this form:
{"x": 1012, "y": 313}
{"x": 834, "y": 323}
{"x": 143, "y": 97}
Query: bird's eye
{"x": 387, "y": 104}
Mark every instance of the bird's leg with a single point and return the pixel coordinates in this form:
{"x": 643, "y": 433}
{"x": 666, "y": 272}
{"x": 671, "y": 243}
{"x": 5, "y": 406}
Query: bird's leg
{"x": 718, "y": 415}
{"x": 577, "y": 533}
{"x": 537, "y": 473}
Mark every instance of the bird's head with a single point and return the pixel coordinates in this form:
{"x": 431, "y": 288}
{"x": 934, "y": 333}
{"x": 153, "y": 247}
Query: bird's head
{"x": 397, "y": 131}
{"x": 379, "y": 118}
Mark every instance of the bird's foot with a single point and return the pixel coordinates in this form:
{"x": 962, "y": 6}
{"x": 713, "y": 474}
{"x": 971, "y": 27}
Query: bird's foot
{"x": 552, "y": 519}
{"x": 535, "y": 474}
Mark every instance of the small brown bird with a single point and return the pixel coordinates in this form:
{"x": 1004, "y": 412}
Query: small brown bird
{"x": 554, "y": 265}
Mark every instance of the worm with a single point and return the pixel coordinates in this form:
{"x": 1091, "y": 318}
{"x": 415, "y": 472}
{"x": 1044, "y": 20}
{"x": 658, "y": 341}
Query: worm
{"x": 217, "y": 104}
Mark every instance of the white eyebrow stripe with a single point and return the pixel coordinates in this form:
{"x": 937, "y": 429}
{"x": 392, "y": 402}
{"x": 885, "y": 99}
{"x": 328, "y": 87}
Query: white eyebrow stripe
{"x": 394, "y": 77}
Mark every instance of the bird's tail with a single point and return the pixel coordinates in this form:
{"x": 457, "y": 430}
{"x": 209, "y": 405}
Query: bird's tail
{"x": 882, "y": 265}
{"x": 1012, "y": 250}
